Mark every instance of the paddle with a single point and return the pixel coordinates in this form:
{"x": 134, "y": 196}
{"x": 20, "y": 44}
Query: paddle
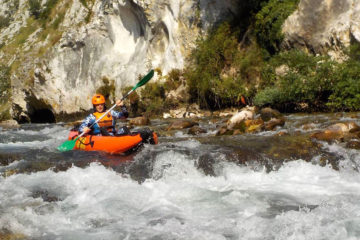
{"x": 70, "y": 144}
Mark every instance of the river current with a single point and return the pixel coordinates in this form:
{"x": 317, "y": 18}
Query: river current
{"x": 251, "y": 186}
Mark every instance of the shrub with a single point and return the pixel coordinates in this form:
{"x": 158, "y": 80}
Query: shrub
{"x": 346, "y": 90}
{"x": 269, "y": 21}
{"x": 4, "y": 22}
{"x": 152, "y": 99}
{"x": 35, "y": 8}
{"x": 40, "y": 12}
{"x": 308, "y": 80}
{"x": 207, "y": 62}
{"x": 133, "y": 101}
{"x": 270, "y": 96}
{"x": 173, "y": 79}
{"x": 49, "y": 5}
{"x": 58, "y": 20}
{"x": 4, "y": 83}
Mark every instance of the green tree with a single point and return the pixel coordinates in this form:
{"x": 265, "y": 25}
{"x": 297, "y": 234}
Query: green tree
{"x": 269, "y": 21}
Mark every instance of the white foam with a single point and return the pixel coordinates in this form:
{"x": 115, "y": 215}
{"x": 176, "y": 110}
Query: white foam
{"x": 55, "y": 136}
{"x": 181, "y": 202}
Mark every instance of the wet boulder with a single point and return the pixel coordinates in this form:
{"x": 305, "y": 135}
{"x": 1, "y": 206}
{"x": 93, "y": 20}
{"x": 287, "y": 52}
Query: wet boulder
{"x": 282, "y": 133}
{"x": 181, "y": 124}
{"x": 255, "y": 125}
{"x": 268, "y": 113}
{"x": 353, "y": 144}
{"x": 338, "y": 131}
{"x": 328, "y": 135}
{"x": 139, "y": 121}
{"x": 9, "y": 124}
{"x": 348, "y": 127}
{"x": 238, "y": 120}
{"x": 196, "y": 130}
{"x": 308, "y": 126}
{"x": 273, "y": 123}
{"x": 224, "y": 131}
{"x": 177, "y": 113}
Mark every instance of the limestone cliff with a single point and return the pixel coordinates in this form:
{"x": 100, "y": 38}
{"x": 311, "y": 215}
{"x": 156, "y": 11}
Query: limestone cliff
{"x": 323, "y": 26}
{"x": 61, "y": 60}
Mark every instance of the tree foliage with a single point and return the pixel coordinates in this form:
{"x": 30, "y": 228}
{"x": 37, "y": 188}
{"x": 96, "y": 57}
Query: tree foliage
{"x": 269, "y": 21}
{"x": 4, "y": 83}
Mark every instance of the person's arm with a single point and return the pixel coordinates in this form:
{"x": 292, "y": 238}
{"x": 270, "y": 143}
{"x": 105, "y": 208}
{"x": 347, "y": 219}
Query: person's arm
{"x": 89, "y": 120}
{"x": 123, "y": 113}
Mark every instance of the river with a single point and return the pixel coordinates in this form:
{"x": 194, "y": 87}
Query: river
{"x": 251, "y": 186}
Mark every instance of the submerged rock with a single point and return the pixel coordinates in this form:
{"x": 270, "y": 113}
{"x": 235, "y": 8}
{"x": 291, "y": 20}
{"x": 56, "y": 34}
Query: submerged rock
{"x": 338, "y": 131}
{"x": 273, "y": 123}
{"x": 268, "y": 113}
{"x": 139, "y": 121}
{"x": 254, "y": 125}
{"x": 354, "y": 144}
{"x": 181, "y": 124}
{"x": 9, "y": 124}
{"x": 196, "y": 130}
{"x": 328, "y": 135}
{"x": 224, "y": 131}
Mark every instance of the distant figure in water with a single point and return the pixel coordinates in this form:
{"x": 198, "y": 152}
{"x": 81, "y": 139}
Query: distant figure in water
{"x": 106, "y": 126}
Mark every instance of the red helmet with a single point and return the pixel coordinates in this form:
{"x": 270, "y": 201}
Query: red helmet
{"x": 98, "y": 99}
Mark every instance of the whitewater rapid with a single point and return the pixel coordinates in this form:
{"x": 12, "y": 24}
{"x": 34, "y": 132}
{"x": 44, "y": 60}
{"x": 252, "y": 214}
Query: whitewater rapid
{"x": 176, "y": 199}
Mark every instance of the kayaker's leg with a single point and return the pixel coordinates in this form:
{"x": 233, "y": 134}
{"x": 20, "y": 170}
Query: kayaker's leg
{"x": 104, "y": 132}
{"x": 123, "y": 131}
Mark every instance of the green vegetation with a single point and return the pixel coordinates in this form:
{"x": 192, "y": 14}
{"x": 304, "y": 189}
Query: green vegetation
{"x": 41, "y": 12}
{"x": 108, "y": 89}
{"x": 345, "y": 94}
{"x": 4, "y": 84}
{"x": 151, "y": 100}
{"x": 232, "y": 62}
{"x": 204, "y": 76}
{"x": 173, "y": 79}
{"x": 305, "y": 80}
{"x": 269, "y": 21}
{"x": 86, "y": 3}
{"x": 35, "y": 8}
{"x": 5, "y": 92}
{"x": 4, "y": 22}
{"x": 318, "y": 82}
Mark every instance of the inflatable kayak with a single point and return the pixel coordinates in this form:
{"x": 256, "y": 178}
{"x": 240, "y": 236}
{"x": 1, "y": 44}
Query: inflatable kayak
{"x": 114, "y": 144}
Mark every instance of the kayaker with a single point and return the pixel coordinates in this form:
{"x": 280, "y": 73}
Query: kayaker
{"x": 106, "y": 126}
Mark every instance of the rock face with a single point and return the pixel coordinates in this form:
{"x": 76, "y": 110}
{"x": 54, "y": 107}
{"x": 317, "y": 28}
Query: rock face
{"x": 106, "y": 44}
{"x": 323, "y": 26}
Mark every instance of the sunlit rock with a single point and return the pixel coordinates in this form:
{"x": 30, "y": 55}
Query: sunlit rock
{"x": 238, "y": 120}
{"x": 255, "y": 125}
{"x": 328, "y": 135}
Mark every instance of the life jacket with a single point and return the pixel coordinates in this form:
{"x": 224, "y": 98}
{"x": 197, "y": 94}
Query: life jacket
{"x": 106, "y": 121}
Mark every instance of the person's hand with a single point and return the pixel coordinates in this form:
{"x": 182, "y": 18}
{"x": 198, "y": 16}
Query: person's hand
{"x": 86, "y": 130}
{"x": 119, "y": 103}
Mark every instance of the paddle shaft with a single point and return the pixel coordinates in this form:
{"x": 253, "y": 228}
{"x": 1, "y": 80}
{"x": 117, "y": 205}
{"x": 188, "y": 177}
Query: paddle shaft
{"x": 106, "y": 113}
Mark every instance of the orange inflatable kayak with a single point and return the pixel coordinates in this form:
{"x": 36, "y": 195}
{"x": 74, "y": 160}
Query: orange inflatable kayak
{"x": 114, "y": 144}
